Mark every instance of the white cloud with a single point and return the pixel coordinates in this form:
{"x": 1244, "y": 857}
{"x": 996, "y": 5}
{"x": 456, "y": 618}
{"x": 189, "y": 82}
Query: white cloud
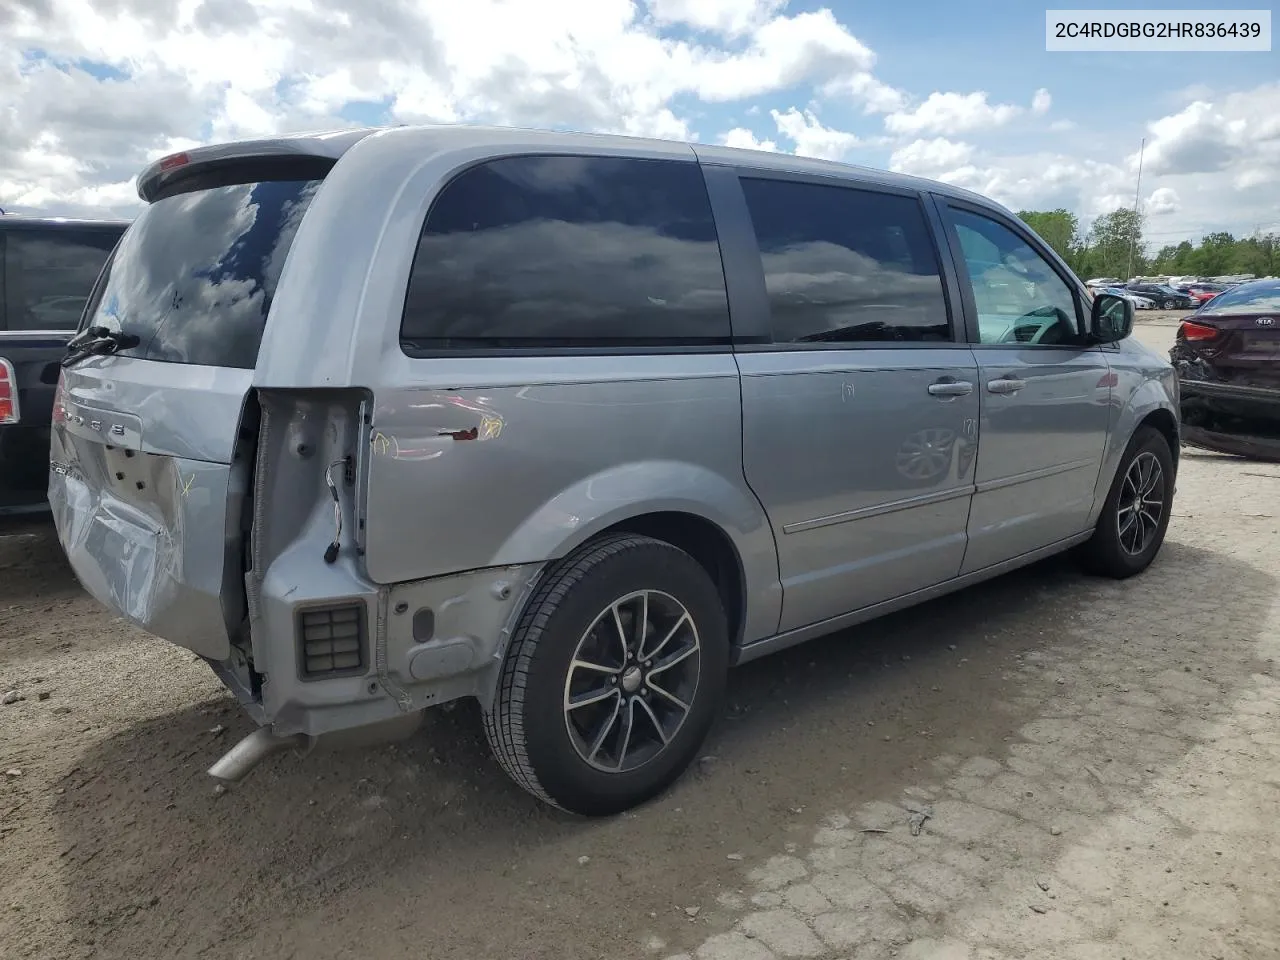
{"x": 1238, "y": 135}
{"x": 1162, "y": 202}
{"x": 875, "y": 96}
{"x": 222, "y": 69}
{"x": 951, "y": 113}
{"x": 730, "y": 17}
{"x": 1195, "y": 91}
{"x": 744, "y": 138}
{"x": 809, "y": 47}
{"x": 811, "y": 138}
{"x": 1037, "y": 181}
{"x": 1212, "y": 165}
{"x": 935, "y": 158}
{"x": 92, "y": 90}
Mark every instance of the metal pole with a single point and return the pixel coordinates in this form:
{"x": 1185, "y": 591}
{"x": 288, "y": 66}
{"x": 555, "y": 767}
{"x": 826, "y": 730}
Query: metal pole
{"x": 1137, "y": 193}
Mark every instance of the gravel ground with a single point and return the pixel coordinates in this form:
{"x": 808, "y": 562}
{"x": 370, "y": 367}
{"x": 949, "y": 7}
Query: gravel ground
{"x": 1045, "y": 766}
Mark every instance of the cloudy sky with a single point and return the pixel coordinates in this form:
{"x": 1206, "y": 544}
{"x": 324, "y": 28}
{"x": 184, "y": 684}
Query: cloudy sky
{"x": 91, "y": 90}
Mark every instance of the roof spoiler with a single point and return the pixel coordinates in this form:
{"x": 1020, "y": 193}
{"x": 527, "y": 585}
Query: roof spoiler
{"x": 179, "y": 172}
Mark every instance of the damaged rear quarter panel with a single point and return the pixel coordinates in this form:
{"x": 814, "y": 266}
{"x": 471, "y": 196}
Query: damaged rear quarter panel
{"x": 302, "y": 433}
{"x": 471, "y": 475}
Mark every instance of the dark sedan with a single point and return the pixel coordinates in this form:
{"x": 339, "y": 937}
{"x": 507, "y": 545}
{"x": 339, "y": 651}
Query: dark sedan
{"x": 1227, "y": 355}
{"x": 1165, "y": 297}
{"x": 47, "y": 268}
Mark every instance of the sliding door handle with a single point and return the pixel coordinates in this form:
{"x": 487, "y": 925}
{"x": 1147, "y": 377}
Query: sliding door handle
{"x": 1005, "y": 385}
{"x": 951, "y": 388}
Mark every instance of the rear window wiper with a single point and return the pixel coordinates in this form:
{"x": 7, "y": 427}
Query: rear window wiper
{"x": 97, "y": 340}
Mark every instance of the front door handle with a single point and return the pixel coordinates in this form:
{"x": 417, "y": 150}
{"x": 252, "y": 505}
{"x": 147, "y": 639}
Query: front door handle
{"x": 1005, "y": 385}
{"x": 951, "y": 388}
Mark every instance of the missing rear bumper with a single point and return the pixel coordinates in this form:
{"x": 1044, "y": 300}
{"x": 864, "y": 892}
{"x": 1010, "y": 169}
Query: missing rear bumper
{"x": 1266, "y": 449}
{"x": 238, "y": 762}
{"x": 1239, "y": 419}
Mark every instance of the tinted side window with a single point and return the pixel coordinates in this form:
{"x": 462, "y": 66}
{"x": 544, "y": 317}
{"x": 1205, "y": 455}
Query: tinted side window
{"x": 846, "y": 265}
{"x": 568, "y": 251}
{"x": 49, "y": 274}
{"x": 1019, "y": 297}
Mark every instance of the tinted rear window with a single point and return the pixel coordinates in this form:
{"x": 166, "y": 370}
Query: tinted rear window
{"x": 49, "y": 275}
{"x": 194, "y": 275}
{"x": 551, "y": 252}
{"x": 1247, "y": 298}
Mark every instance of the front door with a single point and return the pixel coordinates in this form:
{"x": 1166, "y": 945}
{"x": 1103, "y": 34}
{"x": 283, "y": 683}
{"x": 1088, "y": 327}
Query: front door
{"x": 859, "y": 419}
{"x": 1045, "y": 392}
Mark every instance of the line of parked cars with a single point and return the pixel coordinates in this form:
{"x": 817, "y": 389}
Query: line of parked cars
{"x": 376, "y": 420}
{"x": 1166, "y": 293}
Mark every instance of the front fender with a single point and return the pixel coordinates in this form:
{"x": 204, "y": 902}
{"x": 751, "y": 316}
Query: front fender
{"x": 627, "y": 491}
{"x": 1137, "y": 394}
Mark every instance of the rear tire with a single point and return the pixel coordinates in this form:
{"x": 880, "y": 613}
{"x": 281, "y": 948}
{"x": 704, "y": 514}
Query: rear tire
{"x": 1168, "y": 304}
{"x": 1135, "y": 516}
{"x": 588, "y": 713}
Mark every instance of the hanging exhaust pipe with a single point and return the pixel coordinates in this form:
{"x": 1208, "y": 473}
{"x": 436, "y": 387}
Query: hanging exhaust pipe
{"x": 236, "y": 763}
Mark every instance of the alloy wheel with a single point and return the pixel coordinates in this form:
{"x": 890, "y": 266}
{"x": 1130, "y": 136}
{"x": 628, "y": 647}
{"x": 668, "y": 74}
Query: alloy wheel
{"x": 632, "y": 681}
{"x": 1141, "y": 504}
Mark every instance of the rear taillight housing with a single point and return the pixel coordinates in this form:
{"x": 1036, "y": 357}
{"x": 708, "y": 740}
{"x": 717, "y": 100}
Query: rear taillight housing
{"x": 9, "y": 412}
{"x": 1197, "y": 332}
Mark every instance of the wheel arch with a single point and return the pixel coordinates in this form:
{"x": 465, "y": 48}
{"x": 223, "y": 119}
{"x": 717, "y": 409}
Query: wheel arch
{"x": 716, "y": 520}
{"x": 1148, "y": 404}
{"x": 1162, "y": 419}
{"x": 709, "y": 545}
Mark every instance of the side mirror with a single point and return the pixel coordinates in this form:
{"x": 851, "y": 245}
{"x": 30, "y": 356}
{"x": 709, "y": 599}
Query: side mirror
{"x": 1111, "y": 318}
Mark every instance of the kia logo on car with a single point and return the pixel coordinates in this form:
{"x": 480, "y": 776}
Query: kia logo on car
{"x": 1266, "y": 321}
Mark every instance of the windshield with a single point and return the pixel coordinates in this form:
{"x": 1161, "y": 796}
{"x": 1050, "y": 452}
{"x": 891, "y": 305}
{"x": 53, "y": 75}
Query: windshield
{"x": 1246, "y": 298}
{"x": 194, "y": 275}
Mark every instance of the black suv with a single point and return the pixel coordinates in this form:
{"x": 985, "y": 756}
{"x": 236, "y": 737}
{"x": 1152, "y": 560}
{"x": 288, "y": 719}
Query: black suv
{"x": 1165, "y": 296}
{"x": 47, "y": 268}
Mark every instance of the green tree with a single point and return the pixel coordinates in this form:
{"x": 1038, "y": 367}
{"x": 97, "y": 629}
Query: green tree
{"x": 1166, "y": 259}
{"x": 1215, "y": 254}
{"x": 1183, "y": 257}
{"x": 1104, "y": 250}
{"x": 1109, "y": 241}
{"x": 1258, "y": 255}
{"x": 1057, "y": 228}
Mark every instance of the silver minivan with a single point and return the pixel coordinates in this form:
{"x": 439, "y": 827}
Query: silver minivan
{"x": 570, "y": 424}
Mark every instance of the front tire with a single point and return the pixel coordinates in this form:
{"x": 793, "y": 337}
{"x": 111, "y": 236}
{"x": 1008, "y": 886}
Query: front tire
{"x": 613, "y": 678}
{"x": 1134, "y": 518}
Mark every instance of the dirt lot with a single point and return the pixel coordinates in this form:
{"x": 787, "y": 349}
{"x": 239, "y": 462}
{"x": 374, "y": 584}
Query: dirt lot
{"x": 1093, "y": 768}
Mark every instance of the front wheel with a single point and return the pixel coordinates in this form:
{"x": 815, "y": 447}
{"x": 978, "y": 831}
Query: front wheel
{"x": 1134, "y": 518}
{"x": 613, "y": 676}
